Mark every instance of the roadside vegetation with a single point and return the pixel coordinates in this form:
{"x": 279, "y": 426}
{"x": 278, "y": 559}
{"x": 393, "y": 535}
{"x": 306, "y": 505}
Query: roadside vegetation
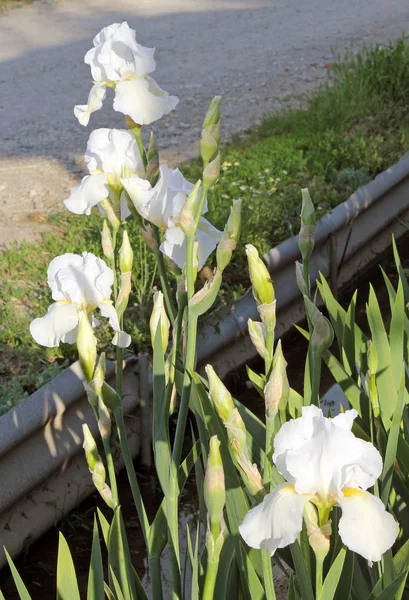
{"x": 355, "y": 126}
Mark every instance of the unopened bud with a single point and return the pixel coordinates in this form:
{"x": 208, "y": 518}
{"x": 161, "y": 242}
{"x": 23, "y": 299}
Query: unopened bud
{"x": 86, "y": 345}
{"x": 211, "y": 172}
{"x": 106, "y": 242}
{"x": 263, "y": 289}
{"x": 214, "y": 486}
{"x": 307, "y": 230}
{"x": 204, "y": 299}
{"x": 148, "y": 236}
{"x": 125, "y": 254}
{"x": 219, "y": 394}
{"x": 160, "y": 319}
{"x": 257, "y": 333}
{"x": 110, "y": 213}
{"x": 299, "y": 277}
{"x": 152, "y": 167}
{"x": 230, "y": 236}
{"x": 323, "y": 334}
{"x": 236, "y": 429}
{"x": 254, "y": 480}
{"x": 210, "y": 137}
{"x": 277, "y": 389}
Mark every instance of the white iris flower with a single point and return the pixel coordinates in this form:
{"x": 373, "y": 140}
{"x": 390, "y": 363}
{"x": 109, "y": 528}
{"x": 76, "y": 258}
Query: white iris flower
{"x": 119, "y": 62}
{"x": 326, "y": 465}
{"x": 162, "y": 205}
{"x": 78, "y": 284}
{"x": 109, "y": 152}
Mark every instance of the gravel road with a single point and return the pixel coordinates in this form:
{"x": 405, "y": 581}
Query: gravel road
{"x": 252, "y": 52}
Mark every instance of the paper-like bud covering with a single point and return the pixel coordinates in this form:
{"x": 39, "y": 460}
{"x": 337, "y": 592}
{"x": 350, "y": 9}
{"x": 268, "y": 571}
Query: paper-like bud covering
{"x": 257, "y": 333}
{"x": 277, "y": 389}
{"x": 323, "y": 334}
{"x": 106, "y": 242}
{"x": 212, "y": 171}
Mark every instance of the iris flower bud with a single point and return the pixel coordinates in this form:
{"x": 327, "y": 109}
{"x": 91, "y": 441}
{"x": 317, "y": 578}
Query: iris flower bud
{"x": 263, "y": 289}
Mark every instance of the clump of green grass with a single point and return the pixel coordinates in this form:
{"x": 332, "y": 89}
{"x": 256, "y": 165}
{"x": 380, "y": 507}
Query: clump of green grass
{"x": 355, "y": 126}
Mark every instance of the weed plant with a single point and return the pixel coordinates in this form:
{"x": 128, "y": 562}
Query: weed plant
{"x": 355, "y": 126}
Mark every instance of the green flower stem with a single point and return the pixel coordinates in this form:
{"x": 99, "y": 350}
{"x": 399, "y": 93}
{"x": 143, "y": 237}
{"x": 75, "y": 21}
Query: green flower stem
{"x": 269, "y": 346}
{"x": 119, "y": 370}
{"x": 136, "y": 493}
{"x": 315, "y": 377}
{"x": 269, "y": 447}
{"x": 306, "y": 275}
{"x": 187, "y": 384}
{"x": 156, "y": 577}
{"x": 267, "y": 576}
{"x": 137, "y": 131}
{"x": 163, "y": 278}
{"x": 318, "y": 578}
{"x": 172, "y": 515}
{"x": 202, "y": 200}
{"x": 189, "y": 269}
{"x": 111, "y": 469}
{"x": 210, "y": 578}
{"x": 109, "y": 460}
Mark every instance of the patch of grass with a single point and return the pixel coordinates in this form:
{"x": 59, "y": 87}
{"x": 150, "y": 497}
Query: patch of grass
{"x": 8, "y": 4}
{"x": 355, "y": 126}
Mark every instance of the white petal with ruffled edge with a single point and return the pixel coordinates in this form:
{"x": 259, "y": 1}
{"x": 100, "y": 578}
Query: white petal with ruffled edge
{"x": 174, "y": 246}
{"x": 365, "y": 526}
{"x": 84, "y": 280}
{"x": 208, "y": 237}
{"x": 322, "y": 455}
{"x": 276, "y": 522}
{"x": 143, "y": 100}
{"x": 95, "y": 100}
{"x": 92, "y": 190}
{"x": 116, "y": 54}
{"x": 121, "y": 338}
{"x": 58, "y": 325}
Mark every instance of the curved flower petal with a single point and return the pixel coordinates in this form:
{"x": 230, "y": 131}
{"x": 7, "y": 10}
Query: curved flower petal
{"x": 174, "y": 246}
{"x": 92, "y": 190}
{"x": 121, "y": 338}
{"x": 143, "y": 100}
{"x": 365, "y": 526}
{"x": 116, "y": 54}
{"x": 109, "y": 150}
{"x": 58, "y": 325}
{"x": 95, "y": 100}
{"x": 208, "y": 237}
{"x": 322, "y": 455}
{"x": 143, "y": 197}
{"x": 276, "y": 522}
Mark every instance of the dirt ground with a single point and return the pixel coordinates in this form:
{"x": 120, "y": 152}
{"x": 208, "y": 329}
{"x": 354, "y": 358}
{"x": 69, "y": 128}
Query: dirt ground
{"x": 254, "y": 53}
